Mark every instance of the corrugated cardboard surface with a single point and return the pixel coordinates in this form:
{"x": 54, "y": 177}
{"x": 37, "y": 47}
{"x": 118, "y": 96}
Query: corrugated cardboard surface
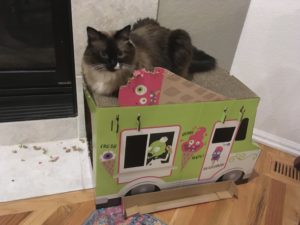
{"x": 220, "y": 81}
{"x": 178, "y": 197}
{"x": 176, "y": 89}
{"x": 217, "y": 81}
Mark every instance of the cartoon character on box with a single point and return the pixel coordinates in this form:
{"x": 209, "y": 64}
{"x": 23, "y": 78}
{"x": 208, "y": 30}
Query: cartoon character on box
{"x": 192, "y": 145}
{"x": 216, "y": 154}
{"x": 143, "y": 89}
{"x": 159, "y": 152}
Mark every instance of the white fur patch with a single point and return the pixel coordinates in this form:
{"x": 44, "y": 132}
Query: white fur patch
{"x": 117, "y": 67}
{"x": 100, "y": 81}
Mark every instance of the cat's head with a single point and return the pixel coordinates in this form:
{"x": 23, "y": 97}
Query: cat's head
{"x": 110, "y": 51}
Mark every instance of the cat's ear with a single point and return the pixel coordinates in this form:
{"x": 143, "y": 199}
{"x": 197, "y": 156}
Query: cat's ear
{"x": 124, "y": 33}
{"x": 93, "y": 34}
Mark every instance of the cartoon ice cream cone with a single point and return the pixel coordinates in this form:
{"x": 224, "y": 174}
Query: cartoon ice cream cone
{"x": 108, "y": 161}
{"x": 192, "y": 145}
{"x": 186, "y": 156}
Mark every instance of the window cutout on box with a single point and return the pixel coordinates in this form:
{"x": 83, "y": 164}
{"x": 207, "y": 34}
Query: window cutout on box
{"x": 135, "y": 151}
{"x": 242, "y": 132}
{"x": 223, "y": 134}
{"x": 148, "y": 148}
{"x": 159, "y": 148}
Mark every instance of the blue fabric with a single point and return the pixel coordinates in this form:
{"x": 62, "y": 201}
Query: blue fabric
{"x": 114, "y": 216}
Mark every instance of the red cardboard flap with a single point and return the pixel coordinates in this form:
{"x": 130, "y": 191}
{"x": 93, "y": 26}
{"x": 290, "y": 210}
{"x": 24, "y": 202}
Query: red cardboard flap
{"x": 143, "y": 88}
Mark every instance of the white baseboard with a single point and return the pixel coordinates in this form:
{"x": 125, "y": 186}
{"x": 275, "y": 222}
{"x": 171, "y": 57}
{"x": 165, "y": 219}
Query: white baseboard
{"x": 274, "y": 141}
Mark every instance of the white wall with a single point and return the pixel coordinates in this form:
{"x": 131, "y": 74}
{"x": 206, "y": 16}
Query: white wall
{"x": 268, "y": 61}
{"x": 215, "y": 26}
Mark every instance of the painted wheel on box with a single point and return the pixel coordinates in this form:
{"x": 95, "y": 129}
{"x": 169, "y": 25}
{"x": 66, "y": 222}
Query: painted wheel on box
{"x": 144, "y": 188}
{"x": 235, "y": 175}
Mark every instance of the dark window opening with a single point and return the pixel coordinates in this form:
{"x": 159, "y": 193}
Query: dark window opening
{"x": 242, "y": 132}
{"x": 223, "y": 134}
{"x": 135, "y": 150}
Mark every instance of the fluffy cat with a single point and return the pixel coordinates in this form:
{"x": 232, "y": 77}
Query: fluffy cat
{"x": 110, "y": 57}
{"x": 104, "y": 62}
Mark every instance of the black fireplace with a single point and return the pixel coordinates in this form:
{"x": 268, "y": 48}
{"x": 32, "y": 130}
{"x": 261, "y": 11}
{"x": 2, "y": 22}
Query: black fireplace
{"x": 37, "y": 78}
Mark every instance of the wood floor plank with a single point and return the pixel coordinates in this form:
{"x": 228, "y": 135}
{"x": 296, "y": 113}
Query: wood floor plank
{"x": 164, "y": 215}
{"x": 48, "y": 207}
{"x": 291, "y": 213}
{"x": 259, "y": 202}
{"x": 220, "y": 212}
{"x": 183, "y": 216}
{"x": 274, "y": 214}
{"x": 13, "y": 219}
{"x": 39, "y": 216}
{"x": 204, "y": 214}
{"x": 71, "y": 214}
{"x": 32, "y": 204}
{"x": 241, "y": 206}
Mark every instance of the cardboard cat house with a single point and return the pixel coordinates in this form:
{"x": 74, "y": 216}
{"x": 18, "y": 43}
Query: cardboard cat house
{"x": 172, "y": 132}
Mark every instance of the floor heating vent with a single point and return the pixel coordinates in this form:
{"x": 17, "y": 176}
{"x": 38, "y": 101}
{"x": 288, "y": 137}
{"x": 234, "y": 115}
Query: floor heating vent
{"x": 286, "y": 170}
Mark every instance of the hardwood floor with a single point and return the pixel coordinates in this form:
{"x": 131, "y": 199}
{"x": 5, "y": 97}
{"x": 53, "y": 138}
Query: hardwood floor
{"x": 269, "y": 198}
{"x": 62, "y": 209}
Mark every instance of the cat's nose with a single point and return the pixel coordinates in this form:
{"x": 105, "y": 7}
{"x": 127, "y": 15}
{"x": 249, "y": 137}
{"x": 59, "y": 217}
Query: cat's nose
{"x": 112, "y": 63}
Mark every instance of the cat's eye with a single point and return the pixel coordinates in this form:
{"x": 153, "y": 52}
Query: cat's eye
{"x": 191, "y": 142}
{"x": 103, "y": 54}
{"x": 141, "y": 89}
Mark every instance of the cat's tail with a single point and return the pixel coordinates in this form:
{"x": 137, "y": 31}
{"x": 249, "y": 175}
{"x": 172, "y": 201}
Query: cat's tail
{"x": 201, "y": 62}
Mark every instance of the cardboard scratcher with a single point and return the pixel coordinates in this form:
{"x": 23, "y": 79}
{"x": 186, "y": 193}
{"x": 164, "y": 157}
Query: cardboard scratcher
{"x": 163, "y": 87}
{"x": 176, "y": 89}
{"x": 178, "y": 197}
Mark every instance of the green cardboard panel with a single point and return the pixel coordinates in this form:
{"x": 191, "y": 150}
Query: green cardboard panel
{"x": 170, "y": 144}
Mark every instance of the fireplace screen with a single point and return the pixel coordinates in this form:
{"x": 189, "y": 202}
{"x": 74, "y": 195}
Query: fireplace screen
{"x": 37, "y": 77}
{"x": 26, "y": 35}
